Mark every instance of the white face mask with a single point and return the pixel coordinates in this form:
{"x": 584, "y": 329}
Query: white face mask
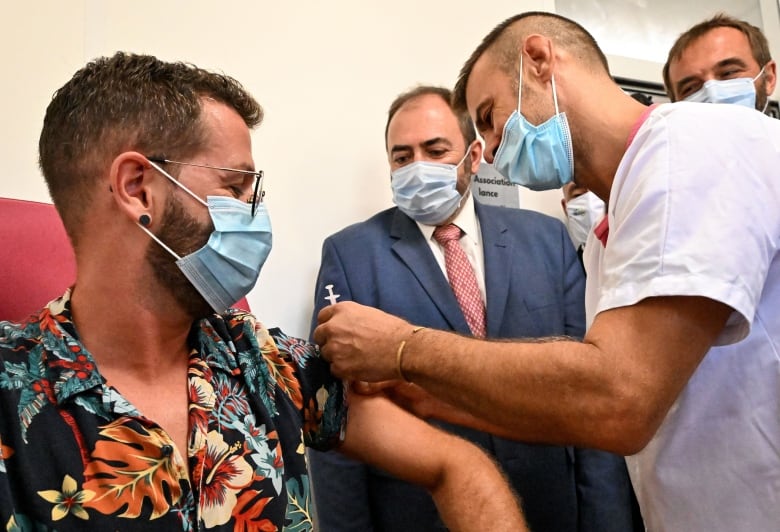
{"x": 582, "y": 213}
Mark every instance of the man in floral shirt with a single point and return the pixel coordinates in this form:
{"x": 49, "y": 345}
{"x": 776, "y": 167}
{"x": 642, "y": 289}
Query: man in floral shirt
{"x": 137, "y": 400}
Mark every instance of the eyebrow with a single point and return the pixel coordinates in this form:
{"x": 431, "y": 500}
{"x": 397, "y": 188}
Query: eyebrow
{"x": 246, "y": 167}
{"x": 243, "y": 168}
{"x": 729, "y": 61}
{"x": 436, "y": 140}
{"x": 426, "y": 144}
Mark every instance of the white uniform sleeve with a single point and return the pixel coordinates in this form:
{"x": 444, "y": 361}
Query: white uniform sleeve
{"x": 695, "y": 211}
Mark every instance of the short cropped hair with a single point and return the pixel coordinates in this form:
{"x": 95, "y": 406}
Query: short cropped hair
{"x": 759, "y": 45}
{"x": 504, "y": 43}
{"x": 464, "y": 120}
{"x": 127, "y": 102}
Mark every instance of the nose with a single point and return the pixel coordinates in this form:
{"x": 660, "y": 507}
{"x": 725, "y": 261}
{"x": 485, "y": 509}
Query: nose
{"x": 491, "y": 145}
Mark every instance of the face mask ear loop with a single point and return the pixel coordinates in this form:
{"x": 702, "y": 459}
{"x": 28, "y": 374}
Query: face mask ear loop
{"x": 154, "y": 237}
{"x": 760, "y": 73}
{"x": 176, "y": 182}
{"x": 520, "y": 84}
{"x": 468, "y": 151}
{"x": 555, "y": 96}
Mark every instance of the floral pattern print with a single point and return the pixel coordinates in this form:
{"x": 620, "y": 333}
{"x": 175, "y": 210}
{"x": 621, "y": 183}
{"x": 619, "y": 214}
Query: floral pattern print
{"x": 70, "y": 499}
{"x": 76, "y": 455}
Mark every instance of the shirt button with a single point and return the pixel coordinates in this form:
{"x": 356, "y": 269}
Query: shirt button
{"x": 166, "y": 450}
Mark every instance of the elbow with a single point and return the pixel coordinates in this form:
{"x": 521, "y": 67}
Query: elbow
{"x": 630, "y": 423}
{"x": 628, "y": 437}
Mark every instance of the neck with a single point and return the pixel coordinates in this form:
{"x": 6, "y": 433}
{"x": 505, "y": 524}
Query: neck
{"x": 126, "y": 324}
{"x": 600, "y": 143}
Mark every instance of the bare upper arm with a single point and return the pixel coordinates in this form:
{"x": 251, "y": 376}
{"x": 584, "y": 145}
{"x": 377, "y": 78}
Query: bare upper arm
{"x": 382, "y": 434}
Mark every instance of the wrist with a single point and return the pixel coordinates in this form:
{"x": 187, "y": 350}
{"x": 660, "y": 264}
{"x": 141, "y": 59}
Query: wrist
{"x": 399, "y": 354}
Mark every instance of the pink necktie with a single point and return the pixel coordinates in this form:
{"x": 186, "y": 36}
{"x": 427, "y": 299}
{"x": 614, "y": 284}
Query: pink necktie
{"x": 462, "y": 278}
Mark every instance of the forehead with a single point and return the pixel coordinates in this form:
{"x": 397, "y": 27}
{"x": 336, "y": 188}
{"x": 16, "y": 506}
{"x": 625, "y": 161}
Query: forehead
{"x": 708, "y": 50}
{"x": 423, "y": 118}
{"x": 489, "y": 84}
{"x": 229, "y": 141}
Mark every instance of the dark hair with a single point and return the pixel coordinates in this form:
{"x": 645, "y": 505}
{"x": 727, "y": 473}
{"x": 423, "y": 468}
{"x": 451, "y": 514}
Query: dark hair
{"x": 504, "y": 43}
{"x": 127, "y": 102}
{"x": 758, "y": 43}
{"x": 464, "y": 120}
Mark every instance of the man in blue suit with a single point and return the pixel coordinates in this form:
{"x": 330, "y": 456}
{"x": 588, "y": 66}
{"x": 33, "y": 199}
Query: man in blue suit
{"x": 531, "y": 285}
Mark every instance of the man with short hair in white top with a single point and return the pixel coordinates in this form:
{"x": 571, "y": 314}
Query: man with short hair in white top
{"x": 443, "y": 260}
{"x": 679, "y": 367}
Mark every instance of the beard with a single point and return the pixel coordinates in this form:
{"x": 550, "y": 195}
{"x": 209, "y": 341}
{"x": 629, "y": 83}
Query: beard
{"x": 761, "y": 94}
{"x": 184, "y": 235}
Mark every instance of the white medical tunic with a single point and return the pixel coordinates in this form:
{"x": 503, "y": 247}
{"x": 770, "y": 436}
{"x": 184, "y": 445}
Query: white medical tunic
{"x": 694, "y": 210}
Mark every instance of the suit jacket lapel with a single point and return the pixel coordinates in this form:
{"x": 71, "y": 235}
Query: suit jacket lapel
{"x": 416, "y": 254}
{"x": 497, "y": 248}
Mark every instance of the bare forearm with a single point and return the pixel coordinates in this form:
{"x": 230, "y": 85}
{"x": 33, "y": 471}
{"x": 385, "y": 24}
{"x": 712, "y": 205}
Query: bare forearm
{"x": 476, "y": 497}
{"x": 425, "y": 405}
{"x": 609, "y": 392}
{"x": 559, "y": 392}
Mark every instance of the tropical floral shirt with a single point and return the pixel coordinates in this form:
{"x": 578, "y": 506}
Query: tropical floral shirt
{"x": 76, "y": 455}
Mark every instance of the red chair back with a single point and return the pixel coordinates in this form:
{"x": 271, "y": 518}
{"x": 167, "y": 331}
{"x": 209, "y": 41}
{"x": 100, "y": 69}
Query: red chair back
{"x": 37, "y": 262}
{"x": 36, "y": 259}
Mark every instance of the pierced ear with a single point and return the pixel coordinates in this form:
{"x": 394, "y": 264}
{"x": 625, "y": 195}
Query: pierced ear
{"x": 539, "y": 58}
{"x": 131, "y": 180}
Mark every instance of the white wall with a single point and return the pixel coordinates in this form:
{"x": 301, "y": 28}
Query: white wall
{"x": 324, "y": 71}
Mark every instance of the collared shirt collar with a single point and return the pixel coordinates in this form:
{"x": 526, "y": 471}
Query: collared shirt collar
{"x": 601, "y": 229}
{"x": 70, "y": 368}
{"x": 466, "y": 219}
{"x": 67, "y": 366}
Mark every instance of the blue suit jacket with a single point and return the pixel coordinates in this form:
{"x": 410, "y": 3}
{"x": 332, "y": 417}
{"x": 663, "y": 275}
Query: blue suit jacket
{"x": 534, "y": 287}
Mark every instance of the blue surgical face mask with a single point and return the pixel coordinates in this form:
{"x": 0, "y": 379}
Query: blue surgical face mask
{"x": 427, "y": 192}
{"x": 227, "y": 267}
{"x": 740, "y": 91}
{"x": 536, "y": 157}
